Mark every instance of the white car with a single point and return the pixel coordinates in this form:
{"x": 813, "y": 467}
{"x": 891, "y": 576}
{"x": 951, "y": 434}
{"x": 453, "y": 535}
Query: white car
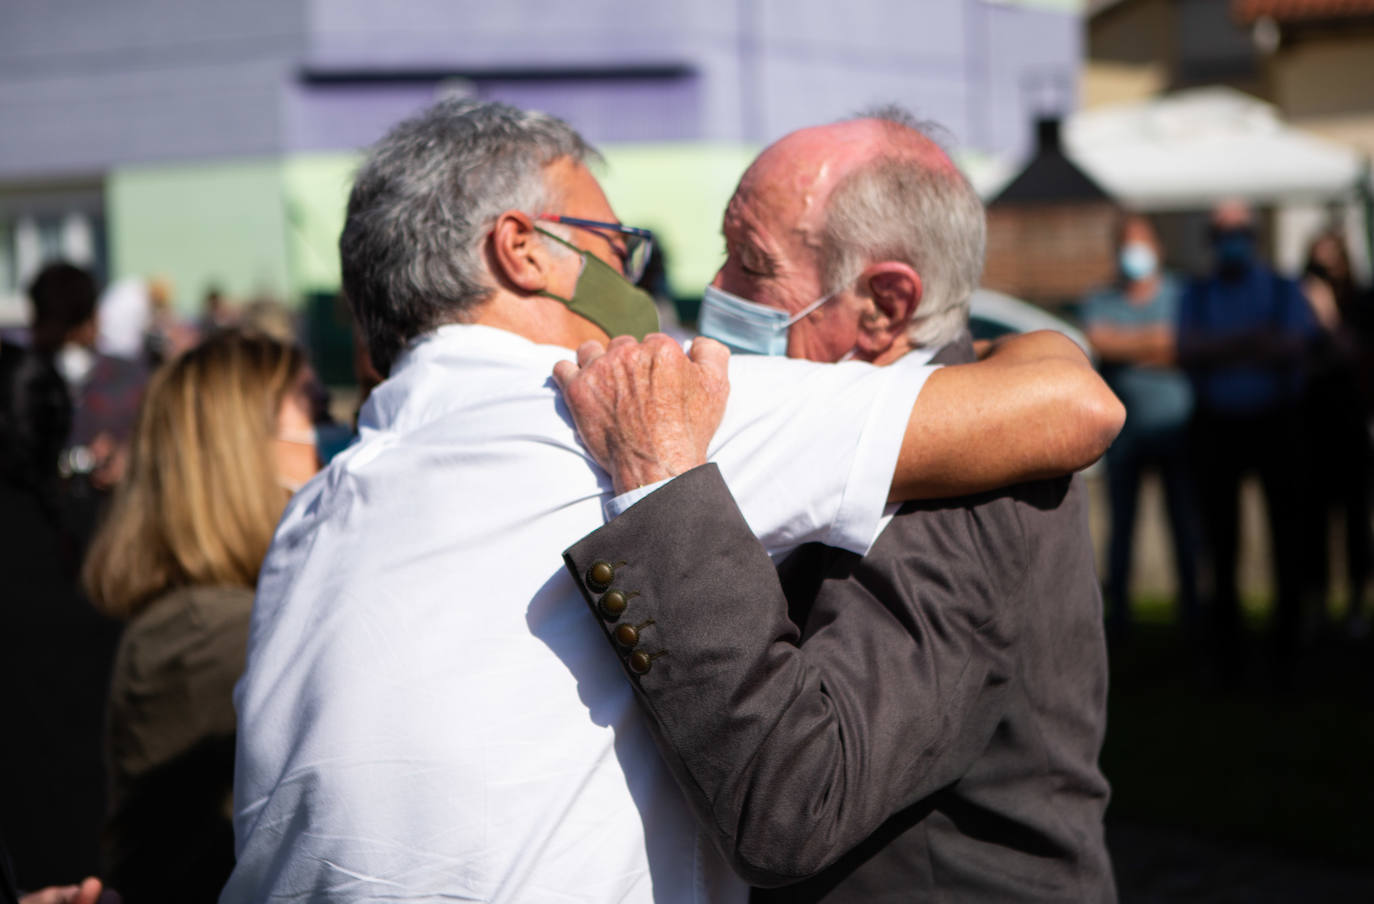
{"x": 993, "y": 314}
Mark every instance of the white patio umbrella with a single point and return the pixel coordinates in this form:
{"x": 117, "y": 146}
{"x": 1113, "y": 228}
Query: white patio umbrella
{"x": 1195, "y": 147}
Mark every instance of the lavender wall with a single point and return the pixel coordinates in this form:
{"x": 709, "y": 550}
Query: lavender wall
{"x": 763, "y": 67}
{"x": 85, "y": 86}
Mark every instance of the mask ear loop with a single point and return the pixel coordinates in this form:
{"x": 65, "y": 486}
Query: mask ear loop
{"x": 581, "y": 253}
{"x": 804, "y": 312}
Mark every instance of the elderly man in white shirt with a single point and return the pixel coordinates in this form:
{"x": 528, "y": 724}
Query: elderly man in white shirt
{"x": 426, "y": 712}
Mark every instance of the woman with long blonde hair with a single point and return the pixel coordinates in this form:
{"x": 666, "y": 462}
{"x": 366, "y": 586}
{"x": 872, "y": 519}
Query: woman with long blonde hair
{"x": 223, "y": 436}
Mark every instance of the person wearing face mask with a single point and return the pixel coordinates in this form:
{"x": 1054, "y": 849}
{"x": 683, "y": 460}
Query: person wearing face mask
{"x": 1131, "y": 326}
{"x": 1337, "y": 407}
{"x": 921, "y": 722}
{"x": 1244, "y": 337}
{"x": 426, "y": 712}
{"x": 223, "y": 438}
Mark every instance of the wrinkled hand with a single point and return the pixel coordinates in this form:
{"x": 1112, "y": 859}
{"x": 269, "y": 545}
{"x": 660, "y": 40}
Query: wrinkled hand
{"x": 646, "y": 411}
{"x": 88, "y": 892}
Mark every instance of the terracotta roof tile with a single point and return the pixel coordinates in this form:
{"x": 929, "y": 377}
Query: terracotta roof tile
{"x": 1299, "y": 10}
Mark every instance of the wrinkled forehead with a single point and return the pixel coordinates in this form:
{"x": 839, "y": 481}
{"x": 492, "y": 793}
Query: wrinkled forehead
{"x": 794, "y": 177}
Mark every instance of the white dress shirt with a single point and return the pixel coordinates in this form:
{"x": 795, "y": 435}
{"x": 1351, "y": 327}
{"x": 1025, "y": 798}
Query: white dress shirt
{"x": 429, "y": 712}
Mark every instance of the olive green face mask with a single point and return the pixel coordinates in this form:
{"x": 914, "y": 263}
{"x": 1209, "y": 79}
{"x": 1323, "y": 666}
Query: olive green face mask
{"x": 608, "y": 299}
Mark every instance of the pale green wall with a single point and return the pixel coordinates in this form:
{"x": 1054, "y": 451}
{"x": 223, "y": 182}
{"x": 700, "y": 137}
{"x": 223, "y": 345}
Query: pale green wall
{"x": 317, "y": 187}
{"x": 272, "y": 226}
{"x": 198, "y": 224}
{"x": 678, "y": 191}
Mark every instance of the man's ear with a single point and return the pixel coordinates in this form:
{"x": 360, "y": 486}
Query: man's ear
{"x": 517, "y": 254}
{"x": 893, "y": 290}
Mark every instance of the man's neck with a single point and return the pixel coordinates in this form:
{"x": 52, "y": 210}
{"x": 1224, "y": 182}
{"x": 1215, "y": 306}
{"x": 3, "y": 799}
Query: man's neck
{"x": 544, "y": 321}
{"x": 897, "y": 350}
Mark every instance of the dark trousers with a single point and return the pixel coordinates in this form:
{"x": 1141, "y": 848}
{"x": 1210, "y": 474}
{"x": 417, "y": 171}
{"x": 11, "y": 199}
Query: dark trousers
{"x": 1225, "y": 448}
{"x": 1339, "y": 459}
{"x": 1127, "y": 460}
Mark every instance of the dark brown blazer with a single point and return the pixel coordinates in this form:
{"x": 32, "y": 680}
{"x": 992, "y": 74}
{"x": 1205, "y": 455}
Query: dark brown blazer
{"x": 921, "y": 724}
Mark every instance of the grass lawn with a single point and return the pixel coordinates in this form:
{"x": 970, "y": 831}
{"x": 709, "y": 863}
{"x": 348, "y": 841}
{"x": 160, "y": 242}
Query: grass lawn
{"x": 1294, "y": 771}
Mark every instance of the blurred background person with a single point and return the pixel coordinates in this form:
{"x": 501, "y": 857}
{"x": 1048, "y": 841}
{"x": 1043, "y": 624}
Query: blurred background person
{"x": 1336, "y": 413}
{"x": 35, "y": 419}
{"x": 1243, "y": 336}
{"x": 1131, "y": 326}
{"x": 124, "y": 312}
{"x": 216, "y": 312}
{"x": 164, "y": 335}
{"x": 105, "y": 389}
{"x": 271, "y": 317}
{"x": 223, "y": 437}
{"x": 55, "y": 652}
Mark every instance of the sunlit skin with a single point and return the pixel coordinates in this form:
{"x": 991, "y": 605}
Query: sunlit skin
{"x": 523, "y": 264}
{"x": 1034, "y": 408}
{"x": 773, "y": 230}
{"x": 297, "y": 460}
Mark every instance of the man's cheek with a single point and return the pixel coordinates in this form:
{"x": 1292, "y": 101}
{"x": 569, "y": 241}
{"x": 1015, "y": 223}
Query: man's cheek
{"x": 733, "y": 280}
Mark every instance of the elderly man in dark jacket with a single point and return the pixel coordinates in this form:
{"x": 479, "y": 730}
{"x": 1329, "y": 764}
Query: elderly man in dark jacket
{"x": 922, "y": 723}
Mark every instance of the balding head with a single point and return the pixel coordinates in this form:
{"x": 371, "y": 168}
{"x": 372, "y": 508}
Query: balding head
{"x": 803, "y": 169}
{"x": 869, "y": 212}
{"x": 906, "y": 201}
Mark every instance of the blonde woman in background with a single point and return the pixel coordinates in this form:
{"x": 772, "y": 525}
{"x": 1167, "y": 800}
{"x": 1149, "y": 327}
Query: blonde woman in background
{"x": 222, "y": 439}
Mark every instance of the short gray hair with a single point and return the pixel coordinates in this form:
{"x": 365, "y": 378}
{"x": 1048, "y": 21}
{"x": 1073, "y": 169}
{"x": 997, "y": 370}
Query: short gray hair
{"x": 421, "y": 207}
{"x": 895, "y": 208}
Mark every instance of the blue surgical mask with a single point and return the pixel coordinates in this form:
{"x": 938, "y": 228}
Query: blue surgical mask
{"x": 747, "y": 326}
{"x": 1138, "y": 261}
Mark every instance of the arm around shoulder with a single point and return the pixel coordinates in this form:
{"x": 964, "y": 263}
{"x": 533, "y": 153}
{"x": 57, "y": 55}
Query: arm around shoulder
{"x": 1035, "y": 408}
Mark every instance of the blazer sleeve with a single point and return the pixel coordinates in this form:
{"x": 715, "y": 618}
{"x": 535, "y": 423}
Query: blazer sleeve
{"x": 792, "y": 753}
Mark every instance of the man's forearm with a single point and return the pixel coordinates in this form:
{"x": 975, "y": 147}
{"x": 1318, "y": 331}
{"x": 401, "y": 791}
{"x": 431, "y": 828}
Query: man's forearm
{"x": 1152, "y": 345}
{"x": 1034, "y": 408}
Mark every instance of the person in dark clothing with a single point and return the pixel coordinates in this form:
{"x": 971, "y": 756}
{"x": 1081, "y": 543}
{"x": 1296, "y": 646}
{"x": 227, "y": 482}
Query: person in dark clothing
{"x": 1243, "y": 338}
{"x": 55, "y": 652}
{"x": 104, "y": 391}
{"x": 1339, "y": 453}
{"x": 35, "y": 418}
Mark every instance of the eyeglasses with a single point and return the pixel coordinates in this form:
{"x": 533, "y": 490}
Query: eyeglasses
{"x": 639, "y": 243}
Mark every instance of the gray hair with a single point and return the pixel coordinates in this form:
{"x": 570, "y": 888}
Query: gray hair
{"x": 421, "y": 207}
{"x": 895, "y": 208}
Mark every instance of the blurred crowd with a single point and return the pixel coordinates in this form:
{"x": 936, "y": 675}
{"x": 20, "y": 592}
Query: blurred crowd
{"x": 145, "y": 461}
{"x": 1241, "y": 371}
